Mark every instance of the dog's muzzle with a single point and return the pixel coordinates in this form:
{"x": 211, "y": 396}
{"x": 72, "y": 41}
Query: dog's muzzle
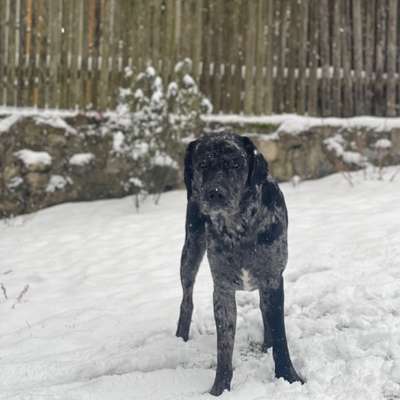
{"x": 215, "y": 197}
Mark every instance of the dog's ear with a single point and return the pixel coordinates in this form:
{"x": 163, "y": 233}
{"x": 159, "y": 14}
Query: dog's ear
{"x": 258, "y": 166}
{"x": 188, "y": 172}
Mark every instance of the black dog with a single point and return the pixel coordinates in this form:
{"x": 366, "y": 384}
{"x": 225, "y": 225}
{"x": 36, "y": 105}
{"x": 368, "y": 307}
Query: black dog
{"x": 236, "y": 212}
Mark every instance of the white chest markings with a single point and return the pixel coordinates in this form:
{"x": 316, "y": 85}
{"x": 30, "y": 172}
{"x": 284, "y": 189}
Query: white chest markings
{"x": 246, "y": 280}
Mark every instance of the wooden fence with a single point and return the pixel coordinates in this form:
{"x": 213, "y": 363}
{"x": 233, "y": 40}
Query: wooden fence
{"x": 316, "y": 57}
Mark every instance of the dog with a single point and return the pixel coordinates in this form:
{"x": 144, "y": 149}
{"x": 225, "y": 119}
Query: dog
{"x": 236, "y": 212}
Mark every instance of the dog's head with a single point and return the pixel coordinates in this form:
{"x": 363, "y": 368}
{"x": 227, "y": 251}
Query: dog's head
{"x": 220, "y": 169}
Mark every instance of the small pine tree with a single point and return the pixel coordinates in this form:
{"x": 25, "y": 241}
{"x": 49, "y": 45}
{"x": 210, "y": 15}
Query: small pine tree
{"x": 159, "y": 124}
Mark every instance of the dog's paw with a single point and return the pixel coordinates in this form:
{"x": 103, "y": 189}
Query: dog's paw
{"x": 182, "y": 334}
{"x": 266, "y": 346}
{"x": 290, "y": 375}
{"x": 183, "y": 329}
{"x": 219, "y": 387}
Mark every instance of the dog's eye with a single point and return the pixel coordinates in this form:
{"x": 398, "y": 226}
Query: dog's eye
{"x": 203, "y": 164}
{"x": 236, "y": 164}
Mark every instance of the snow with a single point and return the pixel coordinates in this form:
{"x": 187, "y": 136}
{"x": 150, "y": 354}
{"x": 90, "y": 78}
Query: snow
{"x": 352, "y": 157}
{"x": 13, "y": 183}
{"x": 336, "y": 143}
{"x": 172, "y": 89}
{"x": 136, "y": 181}
{"x": 188, "y": 81}
{"x": 292, "y": 123}
{"x": 383, "y": 144}
{"x": 99, "y": 318}
{"x": 7, "y": 122}
{"x": 164, "y": 160}
{"x": 81, "y": 159}
{"x": 118, "y": 142}
{"x": 289, "y": 123}
{"x": 57, "y": 182}
{"x": 138, "y": 94}
{"x": 30, "y": 157}
{"x": 150, "y": 71}
{"x": 128, "y": 72}
{"x": 56, "y": 122}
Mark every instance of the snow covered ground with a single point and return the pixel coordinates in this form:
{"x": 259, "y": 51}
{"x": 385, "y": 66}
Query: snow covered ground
{"x": 98, "y": 318}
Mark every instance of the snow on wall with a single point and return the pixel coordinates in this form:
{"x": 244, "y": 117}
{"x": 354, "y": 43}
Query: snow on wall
{"x": 57, "y": 182}
{"x": 55, "y": 121}
{"x": 383, "y": 144}
{"x": 30, "y": 157}
{"x": 292, "y": 123}
{"x": 81, "y": 159}
{"x": 8, "y": 122}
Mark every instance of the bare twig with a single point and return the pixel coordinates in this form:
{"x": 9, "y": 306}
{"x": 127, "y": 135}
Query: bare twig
{"x": 347, "y": 176}
{"x": 393, "y": 177}
{"x": 21, "y": 295}
{"x": 4, "y": 290}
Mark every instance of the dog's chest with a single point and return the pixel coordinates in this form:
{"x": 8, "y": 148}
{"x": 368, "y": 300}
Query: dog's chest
{"x": 238, "y": 260}
{"x": 234, "y": 260}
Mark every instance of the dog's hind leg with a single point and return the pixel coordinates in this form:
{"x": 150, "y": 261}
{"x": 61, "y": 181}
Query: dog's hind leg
{"x": 272, "y": 301}
{"x": 192, "y": 254}
{"x": 225, "y": 320}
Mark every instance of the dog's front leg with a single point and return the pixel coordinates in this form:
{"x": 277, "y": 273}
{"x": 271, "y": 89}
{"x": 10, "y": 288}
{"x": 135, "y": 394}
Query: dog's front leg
{"x": 192, "y": 254}
{"x": 272, "y": 307}
{"x": 225, "y": 320}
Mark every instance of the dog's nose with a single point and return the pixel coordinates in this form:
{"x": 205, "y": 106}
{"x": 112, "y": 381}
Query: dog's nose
{"x": 215, "y": 195}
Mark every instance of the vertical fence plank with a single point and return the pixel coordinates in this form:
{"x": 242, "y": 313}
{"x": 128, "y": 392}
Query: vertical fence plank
{"x": 392, "y": 53}
{"x": 357, "y": 57}
{"x": 269, "y": 59}
{"x": 302, "y": 57}
{"x": 91, "y": 67}
{"x": 18, "y": 45}
{"x": 281, "y": 49}
{"x": 228, "y": 57}
{"x": 260, "y": 57}
{"x": 3, "y": 75}
{"x": 380, "y": 103}
{"x": 11, "y": 67}
{"x": 205, "y": 79}
{"x": 292, "y": 57}
{"x": 370, "y": 22}
{"x": 74, "y": 55}
{"x": 104, "y": 53}
{"x": 346, "y": 56}
{"x": 41, "y": 52}
{"x": 337, "y": 57}
{"x": 63, "y": 68}
{"x": 21, "y": 73}
{"x": 168, "y": 53}
{"x": 237, "y": 58}
{"x": 250, "y": 57}
{"x": 197, "y": 41}
{"x": 155, "y": 32}
{"x": 217, "y": 22}
{"x": 325, "y": 94}
{"x": 31, "y": 43}
{"x": 312, "y": 98}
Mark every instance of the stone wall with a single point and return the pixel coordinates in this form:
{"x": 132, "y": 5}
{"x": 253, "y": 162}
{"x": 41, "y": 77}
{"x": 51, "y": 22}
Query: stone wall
{"x": 313, "y": 147}
{"x": 323, "y": 150}
{"x": 50, "y": 160}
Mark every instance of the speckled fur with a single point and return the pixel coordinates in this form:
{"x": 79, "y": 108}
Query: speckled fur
{"x": 243, "y": 228}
